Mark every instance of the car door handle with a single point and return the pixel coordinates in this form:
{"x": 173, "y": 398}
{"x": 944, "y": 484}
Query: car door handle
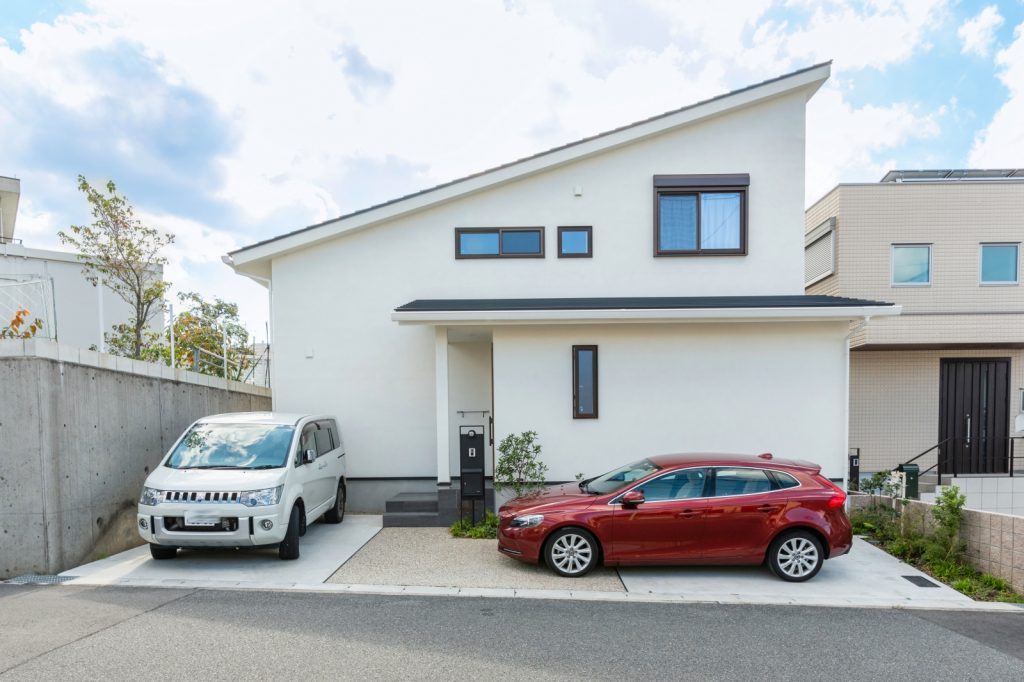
{"x": 690, "y": 513}
{"x": 322, "y": 466}
{"x": 769, "y": 508}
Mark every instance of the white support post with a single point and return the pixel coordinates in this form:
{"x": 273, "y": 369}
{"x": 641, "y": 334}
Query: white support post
{"x": 102, "y": 346}
{"x": 170, "y": 310}
{"x": 224, "y": 332}
{"x": 441, "y": 403}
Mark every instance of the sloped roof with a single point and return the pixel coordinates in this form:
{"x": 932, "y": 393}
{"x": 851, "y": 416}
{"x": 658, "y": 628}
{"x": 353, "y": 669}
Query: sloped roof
{"x": 812, "y": 76}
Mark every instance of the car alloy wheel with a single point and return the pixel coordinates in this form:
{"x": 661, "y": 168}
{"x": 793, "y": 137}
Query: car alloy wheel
{"x": 796, "y": 557}
{"x": 572, "y": 552}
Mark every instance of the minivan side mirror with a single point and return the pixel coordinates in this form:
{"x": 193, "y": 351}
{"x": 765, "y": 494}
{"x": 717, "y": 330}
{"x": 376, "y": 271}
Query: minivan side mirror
{"x": 309, "y": 456}
{"x": 632, "y": 498}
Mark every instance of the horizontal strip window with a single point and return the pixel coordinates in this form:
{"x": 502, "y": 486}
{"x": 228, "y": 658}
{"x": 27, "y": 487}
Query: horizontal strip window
{"x": 584, "y": 382}
{"x": 499, "y": 242}
{"x": 575, "y": 242}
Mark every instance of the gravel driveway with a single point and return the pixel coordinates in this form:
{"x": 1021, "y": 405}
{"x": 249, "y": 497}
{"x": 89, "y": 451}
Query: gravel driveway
{"x": 431, "y": 556}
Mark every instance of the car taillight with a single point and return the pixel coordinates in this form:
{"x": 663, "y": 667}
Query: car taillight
{"x": 838, "y": 496}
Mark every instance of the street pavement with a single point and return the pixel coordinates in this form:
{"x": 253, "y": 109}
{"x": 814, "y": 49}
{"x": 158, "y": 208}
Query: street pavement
{"x": 86, "y": 633}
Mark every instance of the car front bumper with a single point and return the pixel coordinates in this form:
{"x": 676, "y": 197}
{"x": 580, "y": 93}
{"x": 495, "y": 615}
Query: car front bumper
{"x": 521, "y": 543}
{"x": 239, "y": 526}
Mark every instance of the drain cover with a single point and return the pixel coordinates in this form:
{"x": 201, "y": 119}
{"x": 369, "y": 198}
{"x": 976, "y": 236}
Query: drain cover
{"x": 920, "y": 581}
{"x": 40, "y": 579}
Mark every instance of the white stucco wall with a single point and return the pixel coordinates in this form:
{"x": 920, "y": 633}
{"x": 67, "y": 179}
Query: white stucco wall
{"x": 76, "y": 301}
{"x": 337, "y": 350}
{"x": 743, "y": 388}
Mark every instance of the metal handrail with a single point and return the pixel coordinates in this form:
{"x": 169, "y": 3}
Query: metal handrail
{"x": 943, "y": 455}
{"x": 937, "y": 445}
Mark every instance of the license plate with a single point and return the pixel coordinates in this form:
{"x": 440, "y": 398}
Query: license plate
{"x": 200, "y": 519}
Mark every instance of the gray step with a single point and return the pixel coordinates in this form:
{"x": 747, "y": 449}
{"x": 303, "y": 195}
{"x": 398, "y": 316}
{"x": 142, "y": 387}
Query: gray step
{"x": 412, "y": 502}
{"x": 413, "y": 520}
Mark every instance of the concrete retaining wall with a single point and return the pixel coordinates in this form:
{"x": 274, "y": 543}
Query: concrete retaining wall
{"x": 79, "y": 433}
{"x": 995, "y": 542}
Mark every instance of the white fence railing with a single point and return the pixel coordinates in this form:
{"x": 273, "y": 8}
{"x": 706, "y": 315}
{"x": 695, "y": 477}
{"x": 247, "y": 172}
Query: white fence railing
{"x": 32, "y": 293}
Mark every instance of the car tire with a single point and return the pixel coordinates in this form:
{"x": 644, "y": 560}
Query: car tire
{"x": 571, "y": 552}
{"x": 289, "y": 547}
{"x": 162, "y": 552}
{"x": 336, "y": 514}
{"x": 796, "y": 556}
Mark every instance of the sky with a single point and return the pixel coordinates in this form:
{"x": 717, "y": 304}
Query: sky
{"x": 233, "y": 121}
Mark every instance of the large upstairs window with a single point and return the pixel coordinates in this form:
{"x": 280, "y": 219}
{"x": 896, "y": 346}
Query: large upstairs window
{"x": 700, "y": 215}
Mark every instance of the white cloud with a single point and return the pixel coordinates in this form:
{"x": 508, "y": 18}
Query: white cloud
{"x": 1001, "y": 143}
{"x": 449, "y": 88}
{"x": 978, "y": 33}
{"x": 845, "y": 143}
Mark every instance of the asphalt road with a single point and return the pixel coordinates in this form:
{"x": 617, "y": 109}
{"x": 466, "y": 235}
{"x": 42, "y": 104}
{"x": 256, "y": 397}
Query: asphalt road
{"x": 62, "y": 632}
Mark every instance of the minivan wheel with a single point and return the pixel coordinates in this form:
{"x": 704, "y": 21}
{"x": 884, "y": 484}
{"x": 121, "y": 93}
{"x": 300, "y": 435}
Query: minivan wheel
{"x": 289, "y": 547}
{"x": 337, "y": 513}
{"x": 161, "y": 552}
{"x": 796, "y": 556}
{"x": 571, "y": 552}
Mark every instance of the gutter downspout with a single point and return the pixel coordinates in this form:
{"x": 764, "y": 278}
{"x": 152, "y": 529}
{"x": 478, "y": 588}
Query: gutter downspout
{"x": 271, "y": 365}
{"x": 846, "y": 431}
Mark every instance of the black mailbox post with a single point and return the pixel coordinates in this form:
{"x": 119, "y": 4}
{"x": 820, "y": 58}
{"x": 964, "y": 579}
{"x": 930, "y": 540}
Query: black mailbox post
{"x": 471, "y": 462}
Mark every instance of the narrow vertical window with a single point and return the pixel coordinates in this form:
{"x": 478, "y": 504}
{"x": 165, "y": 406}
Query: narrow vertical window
{"x": 584, "y": 382}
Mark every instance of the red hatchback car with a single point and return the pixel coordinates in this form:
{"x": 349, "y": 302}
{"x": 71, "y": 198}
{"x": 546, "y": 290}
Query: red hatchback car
{"x": 684, "y": 509}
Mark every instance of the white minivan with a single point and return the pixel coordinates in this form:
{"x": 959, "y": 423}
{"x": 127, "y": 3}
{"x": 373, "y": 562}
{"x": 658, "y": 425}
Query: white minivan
{"x": 247, "y": 479}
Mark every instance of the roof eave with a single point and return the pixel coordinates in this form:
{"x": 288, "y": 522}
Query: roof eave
{"x": 633, "y": 316}
{"x": 809, "y": 79}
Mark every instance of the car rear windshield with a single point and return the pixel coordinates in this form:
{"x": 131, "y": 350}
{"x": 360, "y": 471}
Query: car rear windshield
{"x": 232, "y": 446}
{"x": 621, "y": 477}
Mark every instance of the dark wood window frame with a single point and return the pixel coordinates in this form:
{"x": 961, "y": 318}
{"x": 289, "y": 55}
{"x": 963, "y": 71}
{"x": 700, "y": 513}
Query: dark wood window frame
{"x": 576, "y": 382}
{"x": 459, "y": 231}
{"x": 577, "y": 228}
{"x": 696, "y": 185}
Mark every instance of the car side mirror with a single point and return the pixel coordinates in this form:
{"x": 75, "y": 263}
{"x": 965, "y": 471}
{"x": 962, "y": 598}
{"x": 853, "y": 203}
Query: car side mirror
{"x": 632, "y": 498}
{"x": 309, "y": 456}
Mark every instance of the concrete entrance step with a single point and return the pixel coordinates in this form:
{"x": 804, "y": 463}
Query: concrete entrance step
{"x": 413, "y": 520}
{"x": 412, "y": 502}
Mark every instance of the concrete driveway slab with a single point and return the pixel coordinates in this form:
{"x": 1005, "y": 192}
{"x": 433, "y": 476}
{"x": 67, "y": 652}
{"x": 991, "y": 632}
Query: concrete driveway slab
{"x": 867, "y": 576}
{"x": 324, "y": 548}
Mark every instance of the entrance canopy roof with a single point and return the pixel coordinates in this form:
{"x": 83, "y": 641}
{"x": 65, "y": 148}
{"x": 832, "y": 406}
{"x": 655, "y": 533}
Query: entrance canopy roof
{"x": 637, "y": 309}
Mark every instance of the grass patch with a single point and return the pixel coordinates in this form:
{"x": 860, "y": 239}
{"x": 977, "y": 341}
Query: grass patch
{"x": 483, "y": 530}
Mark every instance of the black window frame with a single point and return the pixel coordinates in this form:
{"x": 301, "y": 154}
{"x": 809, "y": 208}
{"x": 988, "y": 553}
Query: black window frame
{"x": 577, "y": 228}
{"x": 772, "y": 484}
{"x": 576, "y": 414}
{"x": 697, "y": 185}
{"x": 459, "y": 231}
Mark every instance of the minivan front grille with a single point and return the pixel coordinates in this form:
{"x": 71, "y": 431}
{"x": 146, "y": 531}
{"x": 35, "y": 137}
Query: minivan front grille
{"x": 199, "y": 496}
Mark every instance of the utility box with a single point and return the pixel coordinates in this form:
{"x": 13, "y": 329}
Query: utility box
{"x": 911, "y": 473}
{"x": 471, "y": 462}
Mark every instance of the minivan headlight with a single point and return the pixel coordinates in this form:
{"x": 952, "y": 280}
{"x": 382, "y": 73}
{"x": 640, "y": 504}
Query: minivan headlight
{"x": 150, "y": 497}
{"x": 528, "y": 521}
{"x": 261, "y": 498}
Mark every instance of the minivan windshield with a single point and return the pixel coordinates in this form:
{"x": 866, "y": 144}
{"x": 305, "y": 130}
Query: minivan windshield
{"x": 620, "y": 478}
{"x": 233, "y": 446}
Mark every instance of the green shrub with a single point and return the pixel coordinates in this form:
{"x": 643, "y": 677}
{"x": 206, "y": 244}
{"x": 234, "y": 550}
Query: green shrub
{"x": 519, "y": 468}
{"x": 484, "y": 530}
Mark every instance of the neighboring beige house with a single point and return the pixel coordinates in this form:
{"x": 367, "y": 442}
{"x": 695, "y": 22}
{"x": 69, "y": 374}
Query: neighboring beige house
{"x": 946, "y": 246}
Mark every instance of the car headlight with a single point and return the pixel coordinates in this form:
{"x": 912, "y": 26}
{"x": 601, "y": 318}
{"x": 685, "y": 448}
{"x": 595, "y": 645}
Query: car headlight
{"x": 528, "y": 521}
{"x": 261, "y": 498}
{"x": 150, "y": 497}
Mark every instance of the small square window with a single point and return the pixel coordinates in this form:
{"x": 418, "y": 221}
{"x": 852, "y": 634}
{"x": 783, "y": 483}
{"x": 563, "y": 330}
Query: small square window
{"x": 1000, "y": 263}
{"x": 575, "y": 242}
{"x": 911, "y": 264}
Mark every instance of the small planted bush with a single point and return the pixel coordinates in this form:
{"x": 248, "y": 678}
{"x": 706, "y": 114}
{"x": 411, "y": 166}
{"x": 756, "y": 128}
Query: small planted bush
{"x": 484, "y": 530}
{"x": 519, "y": 468}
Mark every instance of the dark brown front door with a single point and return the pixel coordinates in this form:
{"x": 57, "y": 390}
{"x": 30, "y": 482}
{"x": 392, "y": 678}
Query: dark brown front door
{"x": 974, "y": 402}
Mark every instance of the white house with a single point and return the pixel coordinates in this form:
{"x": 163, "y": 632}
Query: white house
{"x": 633, "y": 293}
{"x": 50, "y": 284}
